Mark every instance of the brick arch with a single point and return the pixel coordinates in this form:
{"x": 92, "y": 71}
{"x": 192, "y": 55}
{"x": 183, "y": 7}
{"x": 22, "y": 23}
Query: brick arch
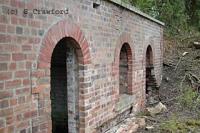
{"x": 148, "y": 43}
{"x": 58, "y": 31}
{"x": 149, "y": 51}
{"x": 125, "y": 39}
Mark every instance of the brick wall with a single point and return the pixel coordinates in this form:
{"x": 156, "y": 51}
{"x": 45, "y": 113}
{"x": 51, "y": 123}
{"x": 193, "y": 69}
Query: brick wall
{"x": 28, "y": 77}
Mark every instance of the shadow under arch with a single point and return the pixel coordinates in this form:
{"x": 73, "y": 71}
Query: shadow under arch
{"x": 149, "y": 67}
{"x": 125, "y": 69}
{"x": 64, "y": 92}
{"x": 151, "y": 87}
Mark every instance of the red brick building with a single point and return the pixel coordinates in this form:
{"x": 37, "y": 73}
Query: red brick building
{"x": 74, "y": 65}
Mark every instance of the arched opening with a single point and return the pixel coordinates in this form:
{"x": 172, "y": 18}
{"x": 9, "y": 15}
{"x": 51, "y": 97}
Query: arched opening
{"x": 149, "y": 57}
{"x": 151, "y": 86}
{"x": 149, "y": 69}
{"x": 123, "y": 70}
{"x": 65, "y": 86}
{"x": 125, "y": 78}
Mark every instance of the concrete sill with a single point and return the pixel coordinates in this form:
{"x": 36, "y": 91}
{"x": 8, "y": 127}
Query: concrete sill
{"x": 125, "y": 102}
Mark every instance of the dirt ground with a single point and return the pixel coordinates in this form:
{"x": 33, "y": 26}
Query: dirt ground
{"x": 181, "y": 59}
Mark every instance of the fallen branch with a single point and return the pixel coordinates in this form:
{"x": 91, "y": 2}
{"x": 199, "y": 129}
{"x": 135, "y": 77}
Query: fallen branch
{"x": 169, "y": 100}
{"x": 189, "y": 37}
{"x": 195, "y": 77}
{"x": 183, "y": 80}
{"x": 179, "y": 61}
{"x": 195, "y": 81}
{"x": 151, "y": 119}
{"x": 168, "y": 64}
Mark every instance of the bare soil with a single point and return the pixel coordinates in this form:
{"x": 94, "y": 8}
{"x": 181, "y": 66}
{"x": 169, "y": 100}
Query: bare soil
{"x": 175, "y": 67}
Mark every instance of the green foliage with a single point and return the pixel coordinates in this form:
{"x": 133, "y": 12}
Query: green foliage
{"x": 173, "y": 126}
{"x": 189, "y": 99}
{"x": 147, "y": 6}
{"x": 178, "y": 15}
{"x": 193, "y": 10}
{"x": 141, "y": 114}
{"x": 181, "y": 126}
{"x": 173, "y": 13}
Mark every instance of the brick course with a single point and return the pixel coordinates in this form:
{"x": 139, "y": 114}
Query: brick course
{"x": 27, "y": 43}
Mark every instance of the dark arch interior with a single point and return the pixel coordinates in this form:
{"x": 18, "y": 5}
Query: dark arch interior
{"x": 123, "y": 70}
{"x": 125, "y": 79}
{"x": 149, "y": 57}
{"x": 150, "y": 77}
{"x": 64, "y": 87}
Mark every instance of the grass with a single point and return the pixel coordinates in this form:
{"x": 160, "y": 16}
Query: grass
{"x": 180, "y": 126}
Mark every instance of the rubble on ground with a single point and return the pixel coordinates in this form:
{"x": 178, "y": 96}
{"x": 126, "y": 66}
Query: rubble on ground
{"x": 159, "y": 108}
{"x": 129, "y": 125}
{"x": 196, "y": 45}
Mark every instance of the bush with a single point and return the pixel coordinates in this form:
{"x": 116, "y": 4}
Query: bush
{"x": 188, "y": 99}
{"x": 179, "y": 16}
{"x": 180, "y": 126}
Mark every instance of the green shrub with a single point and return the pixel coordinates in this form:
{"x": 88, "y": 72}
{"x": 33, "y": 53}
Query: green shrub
{"x": 189, "y": 99}
{"x": 180, "y": 126}
{"x": 173, "y": 126}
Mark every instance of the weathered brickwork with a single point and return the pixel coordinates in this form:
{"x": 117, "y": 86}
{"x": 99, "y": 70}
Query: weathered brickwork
{"x": 62, "y": 72}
